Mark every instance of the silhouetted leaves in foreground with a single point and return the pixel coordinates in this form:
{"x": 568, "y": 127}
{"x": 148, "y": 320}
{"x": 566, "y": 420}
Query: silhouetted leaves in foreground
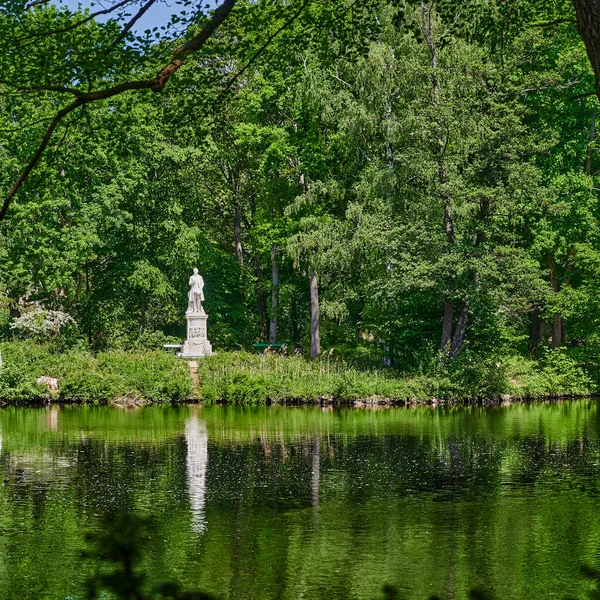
{"x": 117, "y": 550}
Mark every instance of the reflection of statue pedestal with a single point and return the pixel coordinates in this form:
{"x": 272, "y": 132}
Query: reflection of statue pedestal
{"x": 197, "y": 344}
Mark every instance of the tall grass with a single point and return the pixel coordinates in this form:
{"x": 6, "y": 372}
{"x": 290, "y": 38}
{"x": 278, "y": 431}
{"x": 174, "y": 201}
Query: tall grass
{"x": 244, "y": 378}
{"x": 149, "y": 376}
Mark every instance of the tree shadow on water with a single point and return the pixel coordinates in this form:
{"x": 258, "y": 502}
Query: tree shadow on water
{"x": 592, "y": 575}
{"x": 391, "y": 593}
{"x": 116, "y": 550}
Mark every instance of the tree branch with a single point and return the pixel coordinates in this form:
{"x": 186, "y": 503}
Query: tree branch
{"x": 35, "y": 3}
{"x": 193, "y": 45}
{"x": 37, "y": 155}
{"x": 261, "y": 50}
{"x": 584, "y": 95}
{"x": 41, "y": 88}
{"x": 156, "y": 85}
{"x": 127, "y": 28}
{"x": 91, "y": 16}
{"x": 32, "y": 124}
{"x": 555, "y": 22}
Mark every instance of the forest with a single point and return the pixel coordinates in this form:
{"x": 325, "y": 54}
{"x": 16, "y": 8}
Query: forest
{"x": 415, "y": 181}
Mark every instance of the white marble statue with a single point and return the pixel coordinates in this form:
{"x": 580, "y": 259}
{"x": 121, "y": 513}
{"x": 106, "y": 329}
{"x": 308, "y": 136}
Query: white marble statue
{"x": 196, "y": 294}
{"x": 197, "y": 344}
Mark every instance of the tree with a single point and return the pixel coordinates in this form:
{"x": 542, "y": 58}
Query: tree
{"x": 104, "y": 67}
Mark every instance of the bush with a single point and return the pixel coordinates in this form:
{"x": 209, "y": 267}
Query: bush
{"x": 17, "y": 385}
{"x": 243, "y": 378}
{"x": 154, "y": 340}
{"x": 560, "y": 375}
{"x": 468, "y": 377}
{"x": 246, "y": 389}
{"x": 42, "y": 325}
{"x": 90, "y": 387}
{"x": 152, "y": 376}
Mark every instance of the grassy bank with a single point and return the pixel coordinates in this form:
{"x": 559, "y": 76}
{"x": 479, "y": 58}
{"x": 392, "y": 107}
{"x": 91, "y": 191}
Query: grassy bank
{"x": 243, "y": 378}
{"x": 150, "y": 376}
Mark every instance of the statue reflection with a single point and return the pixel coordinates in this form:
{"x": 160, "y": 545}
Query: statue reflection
{"x": 196, "y": 437}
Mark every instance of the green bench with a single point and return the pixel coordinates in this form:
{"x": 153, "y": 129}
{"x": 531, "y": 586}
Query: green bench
{"x": 264, "y": 346}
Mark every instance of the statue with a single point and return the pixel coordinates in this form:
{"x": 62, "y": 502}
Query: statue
{"x": 196, "y": 294}
{"x": 197, "y": 344}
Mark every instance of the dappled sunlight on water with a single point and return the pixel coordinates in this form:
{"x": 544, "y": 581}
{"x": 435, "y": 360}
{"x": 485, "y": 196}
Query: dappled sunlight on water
{"x": 301, "y": 502}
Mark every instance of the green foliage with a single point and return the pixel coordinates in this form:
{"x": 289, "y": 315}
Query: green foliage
{"x": 470, "y": 377}
{"x": 359, "y": 138}
{"x": 16, "y": 386}
{"x": 149, "y": 376}
{"x": 557, "y": 373}
{"x": 42, "y": 325}
{"x": 89, "y": 387}
{"x": 243, "y": 378}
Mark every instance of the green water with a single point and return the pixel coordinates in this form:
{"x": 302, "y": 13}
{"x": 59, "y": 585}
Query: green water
{"x": 307, "y": 503}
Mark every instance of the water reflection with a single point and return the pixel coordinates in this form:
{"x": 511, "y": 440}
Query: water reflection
{"x": 315, "y": 472}
{"x": 196, "y": 438}
{"x": 52, "y": 413}
{"x": 307, "y": 503}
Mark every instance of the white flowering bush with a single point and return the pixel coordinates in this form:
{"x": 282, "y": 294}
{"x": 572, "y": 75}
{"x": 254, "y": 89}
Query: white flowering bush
{"x": 42, "y": 325}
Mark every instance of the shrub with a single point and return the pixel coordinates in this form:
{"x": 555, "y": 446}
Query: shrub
{"x": 42, "y": 325}
{"x": 246, "y": 389}
{"x": 16, "y": 385}
{"x": 91, "y": 387}
{"x": 560, "y": 374}
{"x": 151, "y": 375}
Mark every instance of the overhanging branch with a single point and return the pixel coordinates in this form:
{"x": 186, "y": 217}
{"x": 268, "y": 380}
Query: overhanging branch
{"x": 127, "y": 28}
{"x": 91, "y": 16}
{"x": 36, "y": 157}
{"x": 262, "y": 49}
{"x": 156, "y": 85}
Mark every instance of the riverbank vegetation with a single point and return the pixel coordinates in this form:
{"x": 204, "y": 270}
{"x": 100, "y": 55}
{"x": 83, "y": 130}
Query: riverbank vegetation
{"x": 418, "y": 185}
{"x": 138, "y": 377}
{"x": 243, "y": 378}
{"x": 117, "y": 376}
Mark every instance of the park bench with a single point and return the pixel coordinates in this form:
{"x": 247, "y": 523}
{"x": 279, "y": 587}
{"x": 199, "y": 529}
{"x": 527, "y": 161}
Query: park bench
{"x": 169, "y": 347}
{"x": 263, "y": 347}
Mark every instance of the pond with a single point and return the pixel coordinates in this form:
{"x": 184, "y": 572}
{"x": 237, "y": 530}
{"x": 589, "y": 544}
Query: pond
{"x": 275, "y": 502}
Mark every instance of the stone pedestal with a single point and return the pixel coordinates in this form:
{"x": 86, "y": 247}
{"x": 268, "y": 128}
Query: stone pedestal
{"x": 197, "y": 344}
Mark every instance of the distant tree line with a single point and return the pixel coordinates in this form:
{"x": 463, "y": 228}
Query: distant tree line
{"x": 421, "y": 176}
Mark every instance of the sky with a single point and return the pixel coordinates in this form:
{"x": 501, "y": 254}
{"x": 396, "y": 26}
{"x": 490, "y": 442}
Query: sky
{"x": 157, "y": 15}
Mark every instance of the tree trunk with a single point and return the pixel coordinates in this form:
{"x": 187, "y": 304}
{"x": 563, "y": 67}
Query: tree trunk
{"x": 447, "y": 324}
{"x": 274, "y": 296}
{"x": 389, "y": 147}
{"x": 295, "y": 328}
{"x": 557, "y": 322}
{"x": 237, "y": 232}
{"x": 588, "y": 25}
{"x": 459, "y": 332}
{"x": 428, "y": 34}
{"x": 315, "y": 341}
{"x": 536, "y": 330}
{"x": 557, "y": 331}
{"x": 262, "y": 305}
